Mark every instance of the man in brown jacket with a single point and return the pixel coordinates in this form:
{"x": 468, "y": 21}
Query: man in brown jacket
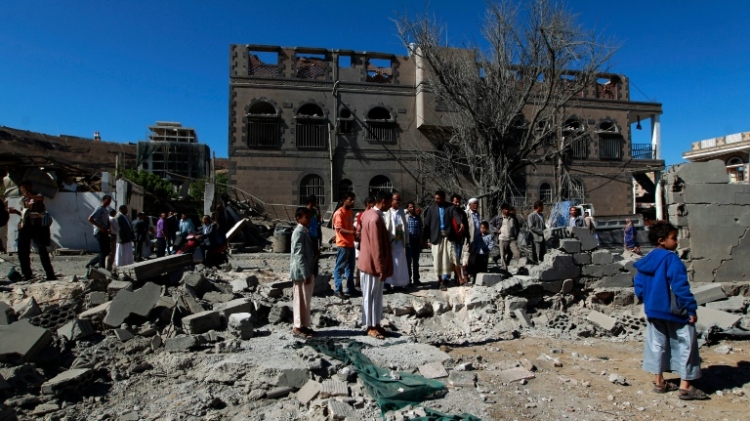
{"x": 375, "y": 264}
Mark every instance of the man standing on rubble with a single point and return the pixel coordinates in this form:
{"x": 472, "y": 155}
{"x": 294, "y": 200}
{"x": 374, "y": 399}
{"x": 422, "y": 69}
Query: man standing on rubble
{"x": 161, "y": 235}
{"x": 576, "y": 220}
{"x": 100, "y": 220}
{"x": 536, "y": 227}
{"x": 113, "y": 231}
{"x": 141, "y": 229}
{"x": 124, "y": 249}
{"x": 375, "y": 264}
{"x": 440, "y": 221}
{"x": 395, "y": 222}
{"x": 414, "y": 244}
{"x": 343, "y": 223}
{"x": 31, "y": 229}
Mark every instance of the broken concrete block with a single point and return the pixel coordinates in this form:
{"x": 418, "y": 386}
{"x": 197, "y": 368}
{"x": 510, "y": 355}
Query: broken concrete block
{"x": 124, "y": 335}
{"x": 522, "y": 317}
{"x": 138, "y": 303}
{"x": 278, "y": 392}
{"x": 22, "y": 341}
{"x": 554, "y": 267}
{"x": 602, "y": 257}
{"x": 479, "y": 297}
{"x": 215, "y": 297}
{"x": 570, "y": 245}
{"x": 241, "y": 305}
{"x": 433, "y": 370}
{"x": 96, "y": 298}
{"x": 552, "y": 286}
{"x": 422, "y": 307}
{"x": 181, "y": 343}
{"x": 242, "y": 324}
{"x": 97, "y": 312}
{"x": 515, "y": 374}
{"x": 143, "y": 271}
{"x": 595, "y": 271}
{"x": 201, "y": 322}
{"x": 116, "y": 286}
{"x": 582, "y": 259}
{"x": 189, "y": 303}
{"x": 27, "y": 309}
{"x": 238, "y": 285}
{"x": 7, "y": 314}
{"x": 587, "y": 239}
{"x": 339, "y": 410}
{"x": 620, "y": 280}
{"x": 567, "y": 286}
{"x": 731, "y": 305}
{"x": 76, "y": 329}
{"x": 330, "y": 388}
{"x": 308, "y": 392}
{"x": 462, "y": 379}
{"x": 708, "y": 293}
{"x": 709, "y": 172}
{"x": 488, "y": 279}
{"x": 68, "y": 381}
{"x": 280, "y": 313}
{"x": 602, "y": 320}
{"x": 708, "y": 317}
{"x": 197, "y": 281}
{"x": 156, "y": 342}
{"x": 99, "y": 274}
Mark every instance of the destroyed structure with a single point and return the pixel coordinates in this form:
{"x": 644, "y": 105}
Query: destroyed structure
{"x": 162, "y": 339}
{"x": 732, "y": 149}
{"x": 325, "y": 122}
{"x": 713, "y": 215}
{"x": 173, "y": 153}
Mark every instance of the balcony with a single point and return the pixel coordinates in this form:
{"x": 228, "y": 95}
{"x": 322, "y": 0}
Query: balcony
{"x": 641, "y": 151}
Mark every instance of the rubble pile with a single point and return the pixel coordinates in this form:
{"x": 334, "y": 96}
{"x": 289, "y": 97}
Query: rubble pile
{"x": 165, "y": 340}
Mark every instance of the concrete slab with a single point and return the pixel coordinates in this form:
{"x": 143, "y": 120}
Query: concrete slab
{"x": 76, "y": 329}
{"x": 596, "y": 271}
{"x": 96, "y": 298}
{"x": 522, "y": 318}
{"x": 136, "y": 304}
{"x": 216, "y": 297}
{"x": 462, "y": 379}
{"x": 406, "y": 356}
{"x": 620, "y": 280}
{"x": 339, "y": 410}
{"x": 73, "y": 379}
{"x": 116, "y": 286}
{"x": 602, "y": 320}
{"x": 181, "y": 343}
{"x": 124, "y": 335}
{"x": 731, "y": 305}
{"x": 152, "y": 268}
{"x": 100, "y": 310}
{"x": 709, "y": 172}
{"x": 708, "y": 317}
{"x": 241, "y": 305}
{"x": 588, "y": 241}
{"x": 433, "y": 370}
{"x": 22, "y": 341}
{"x": 202, "y": 322}
{"x": 309, "y": 391}
{"x": 330, "y": 388}
{"x": 709, "y": 292}
{"x": 238, "y": 285}
{"x": 515, "y": 375}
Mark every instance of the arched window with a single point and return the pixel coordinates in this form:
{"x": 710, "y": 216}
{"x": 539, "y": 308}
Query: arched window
{"x": 735, "y": 161}
{"x": 263, "y": 128}
{"x": 310, "y": 131}
{"x": 311, "y": 185}
{"x": 345, "y": 186}
{"x": 381, "y": 126}
{"x": 380, "y": 183}
{"x": 545, "y": 193}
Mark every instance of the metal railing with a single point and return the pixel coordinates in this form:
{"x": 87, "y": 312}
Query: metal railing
{"x": 310, "y": 135}
{"x": 381, "y": 133}
{"x": 579, "y": 149}
{"x": 610, "y": 149}
{"x": 641, "y": 151}
{"x": 263, "y": 134}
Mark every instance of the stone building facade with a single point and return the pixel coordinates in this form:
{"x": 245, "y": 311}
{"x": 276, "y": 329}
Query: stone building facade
{"x": 317, "y": 121}
{"x": 733, "y": 149}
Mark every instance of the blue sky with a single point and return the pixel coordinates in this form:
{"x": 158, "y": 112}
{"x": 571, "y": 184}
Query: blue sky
{"x": 75, "y": 67}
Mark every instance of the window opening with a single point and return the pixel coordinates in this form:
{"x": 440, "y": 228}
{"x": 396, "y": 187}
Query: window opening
{"x": 311, "y": 128}
{"x": 264, "y": 63}
{"x": 545, "y": 193}
{"x": 311, "y": 185}
{"x": 263, "y": 126}
{"x": 380, "y": 183}
{"x": 379, "y": 70}
{"x": 311, "y": 66}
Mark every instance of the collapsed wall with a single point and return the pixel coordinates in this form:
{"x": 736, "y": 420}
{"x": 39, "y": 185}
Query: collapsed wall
{"x": 713, "y": 217}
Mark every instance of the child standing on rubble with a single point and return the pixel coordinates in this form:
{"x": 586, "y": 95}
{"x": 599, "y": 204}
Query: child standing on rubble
{"x": 301, "y": 272}
{"x": 671, "y": 343}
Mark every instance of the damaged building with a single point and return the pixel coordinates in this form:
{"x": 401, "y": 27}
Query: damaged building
{"x": 324, "y": 122}
{"x": 172, "y": 152}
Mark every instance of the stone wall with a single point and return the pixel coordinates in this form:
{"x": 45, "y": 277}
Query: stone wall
{"x": 713, "y": 217}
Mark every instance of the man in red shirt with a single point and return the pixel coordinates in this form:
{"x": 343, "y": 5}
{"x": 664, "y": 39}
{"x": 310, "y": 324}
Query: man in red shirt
{"x": 343, "y": 223}
{"x": 375, "y": 264}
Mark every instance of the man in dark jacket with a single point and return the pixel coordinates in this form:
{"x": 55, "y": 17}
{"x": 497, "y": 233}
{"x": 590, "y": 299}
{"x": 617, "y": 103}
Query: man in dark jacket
{"x": 440, "y": 230}
{"x": 140, "y": 229}
{"x": 125, "y": 237}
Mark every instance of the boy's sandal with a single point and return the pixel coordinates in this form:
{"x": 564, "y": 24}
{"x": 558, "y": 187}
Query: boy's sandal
{"x": 300, "y": 334}
{"x": 666, "y": 387}
{"x": 308, "y": 330}
{"x": 693, "y": 394}
{"x": 373, "y": 333}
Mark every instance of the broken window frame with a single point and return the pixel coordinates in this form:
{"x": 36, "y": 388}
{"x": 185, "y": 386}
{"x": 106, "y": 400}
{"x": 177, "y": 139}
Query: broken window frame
{"x": 263, "y": 126}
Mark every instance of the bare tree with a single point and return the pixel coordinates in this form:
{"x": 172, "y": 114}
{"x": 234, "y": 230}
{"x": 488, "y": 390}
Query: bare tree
{"x": 507, "y": 96}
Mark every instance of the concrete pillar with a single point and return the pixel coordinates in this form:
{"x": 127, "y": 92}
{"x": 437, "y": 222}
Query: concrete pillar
{"x": 659, "y": 196}
{"x": 655, "y": 137}
{"x": 106, "y": 182}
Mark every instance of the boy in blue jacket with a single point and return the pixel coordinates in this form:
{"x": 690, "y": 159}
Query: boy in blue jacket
{"x": 671, "y": 343}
